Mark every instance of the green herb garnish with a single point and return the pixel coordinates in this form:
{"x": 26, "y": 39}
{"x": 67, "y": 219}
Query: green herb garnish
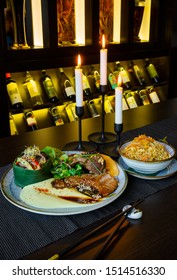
{"x": 164, "y": 140}
{"x": 61, "y": 163}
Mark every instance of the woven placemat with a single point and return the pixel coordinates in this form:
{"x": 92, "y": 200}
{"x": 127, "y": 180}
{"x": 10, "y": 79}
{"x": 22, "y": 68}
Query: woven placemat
{"x": 23, "y": 232}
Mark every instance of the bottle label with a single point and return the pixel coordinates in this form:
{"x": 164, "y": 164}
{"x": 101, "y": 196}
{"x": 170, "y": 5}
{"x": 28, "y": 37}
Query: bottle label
{"x": 49, "y": 87}
{"x": 152, "y": 71}
{"x": 32, "y": 88}
{"x": 145, "y": 100}
{"x": 31, "y": 121}
{"x": 14, "y": 93}
{"x": 131, "y": 102}
{"x": 112, "y": 80}
{"x": 97, "y": 79}
{"x": 92, "y": 109}
{"x": 56, "y": 116}
{"x": 69, "y": 91}
{"x": 108, "y": 107}
{"x": 85, "y": 82}
{"x": 138, "y": 74}
{"x": 124, "y": 77}
{"x": 124, "y": 104}
{"x": 144, "y": 97}
{"x": 154, "y": 97}
{"x": 70, "y": 109}
{"x": 13, "y": 129}
{"x": 58, "y": 120}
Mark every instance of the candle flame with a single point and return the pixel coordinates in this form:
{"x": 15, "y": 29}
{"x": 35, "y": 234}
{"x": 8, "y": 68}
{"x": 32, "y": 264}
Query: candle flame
{"x": 79, "y": 61}
{"x": 103, "y": 42}
{"x": 119, "y": 80}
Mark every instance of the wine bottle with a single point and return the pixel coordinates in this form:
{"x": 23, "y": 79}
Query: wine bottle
{"x": 96, "y": 76}
{"x": 129, "y": 96}
{"x": 56, "y": 116}
{"x": 31, "y": 120}
{"x": 13, "y": 92}
{"x": 92, "y": 108}
{"x": 66, "y": 85}
{"x": 107, "y": 106}
{"x": 124, "y": 104}
{"x": 49, "y": 87}
{"x": 124, "y": 75}
{"x": 13, "y": 128}
{"x": 153, "y": 95}
{"x": 152, "y": 71}
{"x": 86, "y": 86}
{"x": 137, "y": 73}
{"x": 71, "y": 112}
{"x": 31, "y": 88}
{"x": 144, "y": 97}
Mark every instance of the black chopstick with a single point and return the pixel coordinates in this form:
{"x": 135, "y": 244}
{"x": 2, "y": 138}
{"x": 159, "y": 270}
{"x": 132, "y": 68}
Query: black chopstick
{"x": 110, "y": 238}
{"x": 59, "y": 255}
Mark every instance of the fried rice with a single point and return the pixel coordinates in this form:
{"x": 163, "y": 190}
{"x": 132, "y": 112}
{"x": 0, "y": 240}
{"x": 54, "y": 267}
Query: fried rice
{"x": 145, "y": 148}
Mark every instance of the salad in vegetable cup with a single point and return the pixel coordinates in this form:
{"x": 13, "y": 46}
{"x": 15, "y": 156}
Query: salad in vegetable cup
{"x": 31, "y": 166}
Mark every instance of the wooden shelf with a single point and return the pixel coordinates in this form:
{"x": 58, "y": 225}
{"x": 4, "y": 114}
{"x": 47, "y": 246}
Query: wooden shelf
{"x": 162, "y": 43}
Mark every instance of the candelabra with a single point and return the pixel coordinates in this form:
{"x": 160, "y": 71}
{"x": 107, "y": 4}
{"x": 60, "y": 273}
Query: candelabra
{"x": 80, "y": 145}
{"x": 102, "y": 137}
{"x": 112, "y": 148}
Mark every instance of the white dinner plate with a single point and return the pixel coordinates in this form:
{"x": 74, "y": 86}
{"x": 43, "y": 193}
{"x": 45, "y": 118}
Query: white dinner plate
{"x": 165, "y": 173}
{"x": 12, "y": 193}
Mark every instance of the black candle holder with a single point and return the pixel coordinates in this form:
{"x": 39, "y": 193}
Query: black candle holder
{"x": 102, "y": 137}
{"x": 80, "y": 145}
{"x": 112, "y": 149}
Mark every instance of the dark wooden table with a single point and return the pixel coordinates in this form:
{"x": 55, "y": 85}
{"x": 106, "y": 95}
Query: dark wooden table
{"x": 152, "y": 237}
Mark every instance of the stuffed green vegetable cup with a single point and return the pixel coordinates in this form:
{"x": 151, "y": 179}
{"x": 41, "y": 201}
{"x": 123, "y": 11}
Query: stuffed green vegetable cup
{"x": 31, "y": 166}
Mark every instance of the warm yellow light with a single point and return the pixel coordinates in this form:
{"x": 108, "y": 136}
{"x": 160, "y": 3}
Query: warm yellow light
{"x": 119, "y": 80}
{"x": 144, "y": 33}
{"x": 79, "y": 61}
{"x": 103, "y": 42}
{"x": 36, "y": 7}
{"x": 117, "y": 21}
{"x": 80, "y": 21}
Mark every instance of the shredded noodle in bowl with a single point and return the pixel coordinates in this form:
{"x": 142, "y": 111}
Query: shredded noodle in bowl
{"x": 145, "y": 148}
{"x": 146, "y": 155}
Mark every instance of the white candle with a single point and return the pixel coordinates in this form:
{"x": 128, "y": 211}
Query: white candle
{"x": 103, "y": 63}
{"x": 79, "y": 84}
{"x": 118, "y": 102}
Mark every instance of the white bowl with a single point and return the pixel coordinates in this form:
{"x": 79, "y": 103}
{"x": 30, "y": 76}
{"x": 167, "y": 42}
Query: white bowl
{"x": 148, "y": 167}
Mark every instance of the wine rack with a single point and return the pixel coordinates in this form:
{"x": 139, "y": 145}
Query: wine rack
{"x": 160, "y": 47}
{"x": 42, "y": 112}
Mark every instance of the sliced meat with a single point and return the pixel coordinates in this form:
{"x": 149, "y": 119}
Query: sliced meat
{"x": 96, "y": 186}
{"x": 94, "y": 163}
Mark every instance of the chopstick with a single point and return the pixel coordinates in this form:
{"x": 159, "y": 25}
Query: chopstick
{"x": 110, "y": 238}
{"x": 59, "y": 255}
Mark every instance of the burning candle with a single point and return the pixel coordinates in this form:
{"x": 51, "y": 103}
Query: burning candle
{"x": 79, "y": 84}
{"x": 103, "y": 63}
{"x": 118, "y": 102}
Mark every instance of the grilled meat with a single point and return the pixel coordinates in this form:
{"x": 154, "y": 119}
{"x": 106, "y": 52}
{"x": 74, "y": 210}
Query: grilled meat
{"x": 94, "y": 163}
{"x": 95, "y": 186}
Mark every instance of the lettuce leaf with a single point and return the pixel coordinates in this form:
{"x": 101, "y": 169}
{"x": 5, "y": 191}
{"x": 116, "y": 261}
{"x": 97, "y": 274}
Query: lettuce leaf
{"x": 52, "y": 153}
